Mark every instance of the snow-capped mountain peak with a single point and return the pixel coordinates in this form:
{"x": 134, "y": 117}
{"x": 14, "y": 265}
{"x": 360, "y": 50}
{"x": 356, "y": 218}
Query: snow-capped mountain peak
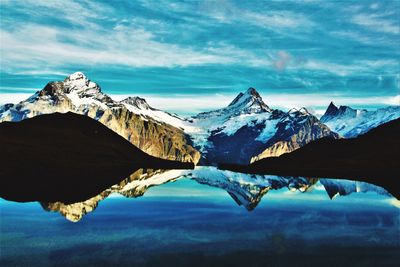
{"x": 137, "y": 102}
{"x": 249, "y": 102}
{"x": 79, "y": 83}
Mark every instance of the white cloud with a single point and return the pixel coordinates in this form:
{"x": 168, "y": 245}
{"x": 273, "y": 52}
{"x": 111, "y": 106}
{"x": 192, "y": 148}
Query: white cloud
{"x": 226, "y": 11}
{"x": 377, "y": 23}
{"x": 13, "y": 97}
{"x": 36, "y": 46}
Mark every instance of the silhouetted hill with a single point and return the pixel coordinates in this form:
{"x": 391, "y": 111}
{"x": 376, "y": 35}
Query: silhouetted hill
{"x": 66, "y": 157}
{"x": 372, "y": 157}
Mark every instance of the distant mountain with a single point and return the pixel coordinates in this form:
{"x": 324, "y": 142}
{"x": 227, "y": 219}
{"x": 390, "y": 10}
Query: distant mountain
{"x": 373, "y": 157}
{"x": 248, "y": 130}
{"x": 66, "y": 156}
{"x": 349, "y": 122}
{"x": 147, "y": 128}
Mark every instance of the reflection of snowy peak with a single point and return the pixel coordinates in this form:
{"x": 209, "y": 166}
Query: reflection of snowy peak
{"x": 339, "y": 187}
{"x": 247, "y": 189}
{"x": 133, "y": 186}
{"x": 350, "y": 122}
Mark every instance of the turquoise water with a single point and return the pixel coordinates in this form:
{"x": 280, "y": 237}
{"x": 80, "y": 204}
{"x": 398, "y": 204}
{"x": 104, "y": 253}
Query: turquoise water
{"x": 183, "y": 222}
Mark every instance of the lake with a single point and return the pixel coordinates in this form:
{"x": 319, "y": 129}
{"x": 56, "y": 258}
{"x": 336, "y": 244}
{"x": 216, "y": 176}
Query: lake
{"x": 208, "y": 217}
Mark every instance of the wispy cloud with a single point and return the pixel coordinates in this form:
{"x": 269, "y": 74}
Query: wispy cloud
{"x": 228, "y": 12}
{"x": 41, "y": 46}
{"x": 291, "y": 46}
{"x": 375, "y": 22}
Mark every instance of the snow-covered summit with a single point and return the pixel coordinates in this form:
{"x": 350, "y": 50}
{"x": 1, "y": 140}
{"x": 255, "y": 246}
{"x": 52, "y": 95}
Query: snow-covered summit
{"x": 79, "y": 83}
{"x": 249, "y": 102}
{"x": 137, "y": 102}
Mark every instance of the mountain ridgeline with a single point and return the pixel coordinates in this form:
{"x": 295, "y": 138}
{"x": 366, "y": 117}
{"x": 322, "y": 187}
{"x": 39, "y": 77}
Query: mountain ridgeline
{"x": 245, "y": 131}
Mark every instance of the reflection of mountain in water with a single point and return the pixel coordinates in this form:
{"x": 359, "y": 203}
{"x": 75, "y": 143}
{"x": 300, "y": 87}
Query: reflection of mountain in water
{"x": 339, "y": 187}
{"x": 245, "y": 189}
{"x": 133, "y": 186}
{"x": 248, "y": 189}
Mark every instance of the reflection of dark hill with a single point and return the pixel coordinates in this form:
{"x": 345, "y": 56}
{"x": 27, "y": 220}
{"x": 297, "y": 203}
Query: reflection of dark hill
{"x": 373, "y": 157}
{"x": 66, "y": 157}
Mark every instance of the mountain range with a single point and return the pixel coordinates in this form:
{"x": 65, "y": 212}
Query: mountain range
{"x": 245, "y": 131}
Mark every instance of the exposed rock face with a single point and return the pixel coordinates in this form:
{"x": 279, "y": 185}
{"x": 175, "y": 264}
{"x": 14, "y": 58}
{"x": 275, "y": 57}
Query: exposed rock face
{"x": 294, "y": 134}
{"x": 80, "y": 95}
{"x": 349, "y": 122}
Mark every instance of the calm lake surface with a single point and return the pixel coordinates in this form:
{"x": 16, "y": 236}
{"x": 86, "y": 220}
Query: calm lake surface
{"x": 208, "y": 217}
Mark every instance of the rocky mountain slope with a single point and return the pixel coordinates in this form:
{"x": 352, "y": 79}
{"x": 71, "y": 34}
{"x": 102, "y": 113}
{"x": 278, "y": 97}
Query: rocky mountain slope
{"x": 66, "y": 156}
{"x": 349, "y": 122}
{"x": 145, "y": 127}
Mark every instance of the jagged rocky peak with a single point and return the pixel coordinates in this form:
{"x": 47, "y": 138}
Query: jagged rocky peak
{"x": 137, "y": 102}
{"x": 78, "y": 82}
{"x": 333, "y": 111}
{"x": 249, "y": 101}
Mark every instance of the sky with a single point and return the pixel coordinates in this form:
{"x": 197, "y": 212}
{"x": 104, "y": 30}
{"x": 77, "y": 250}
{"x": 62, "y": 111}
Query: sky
{"x": 192, "y": 56}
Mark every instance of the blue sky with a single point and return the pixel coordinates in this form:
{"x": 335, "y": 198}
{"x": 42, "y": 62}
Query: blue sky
{"x": 198, "y": 55}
